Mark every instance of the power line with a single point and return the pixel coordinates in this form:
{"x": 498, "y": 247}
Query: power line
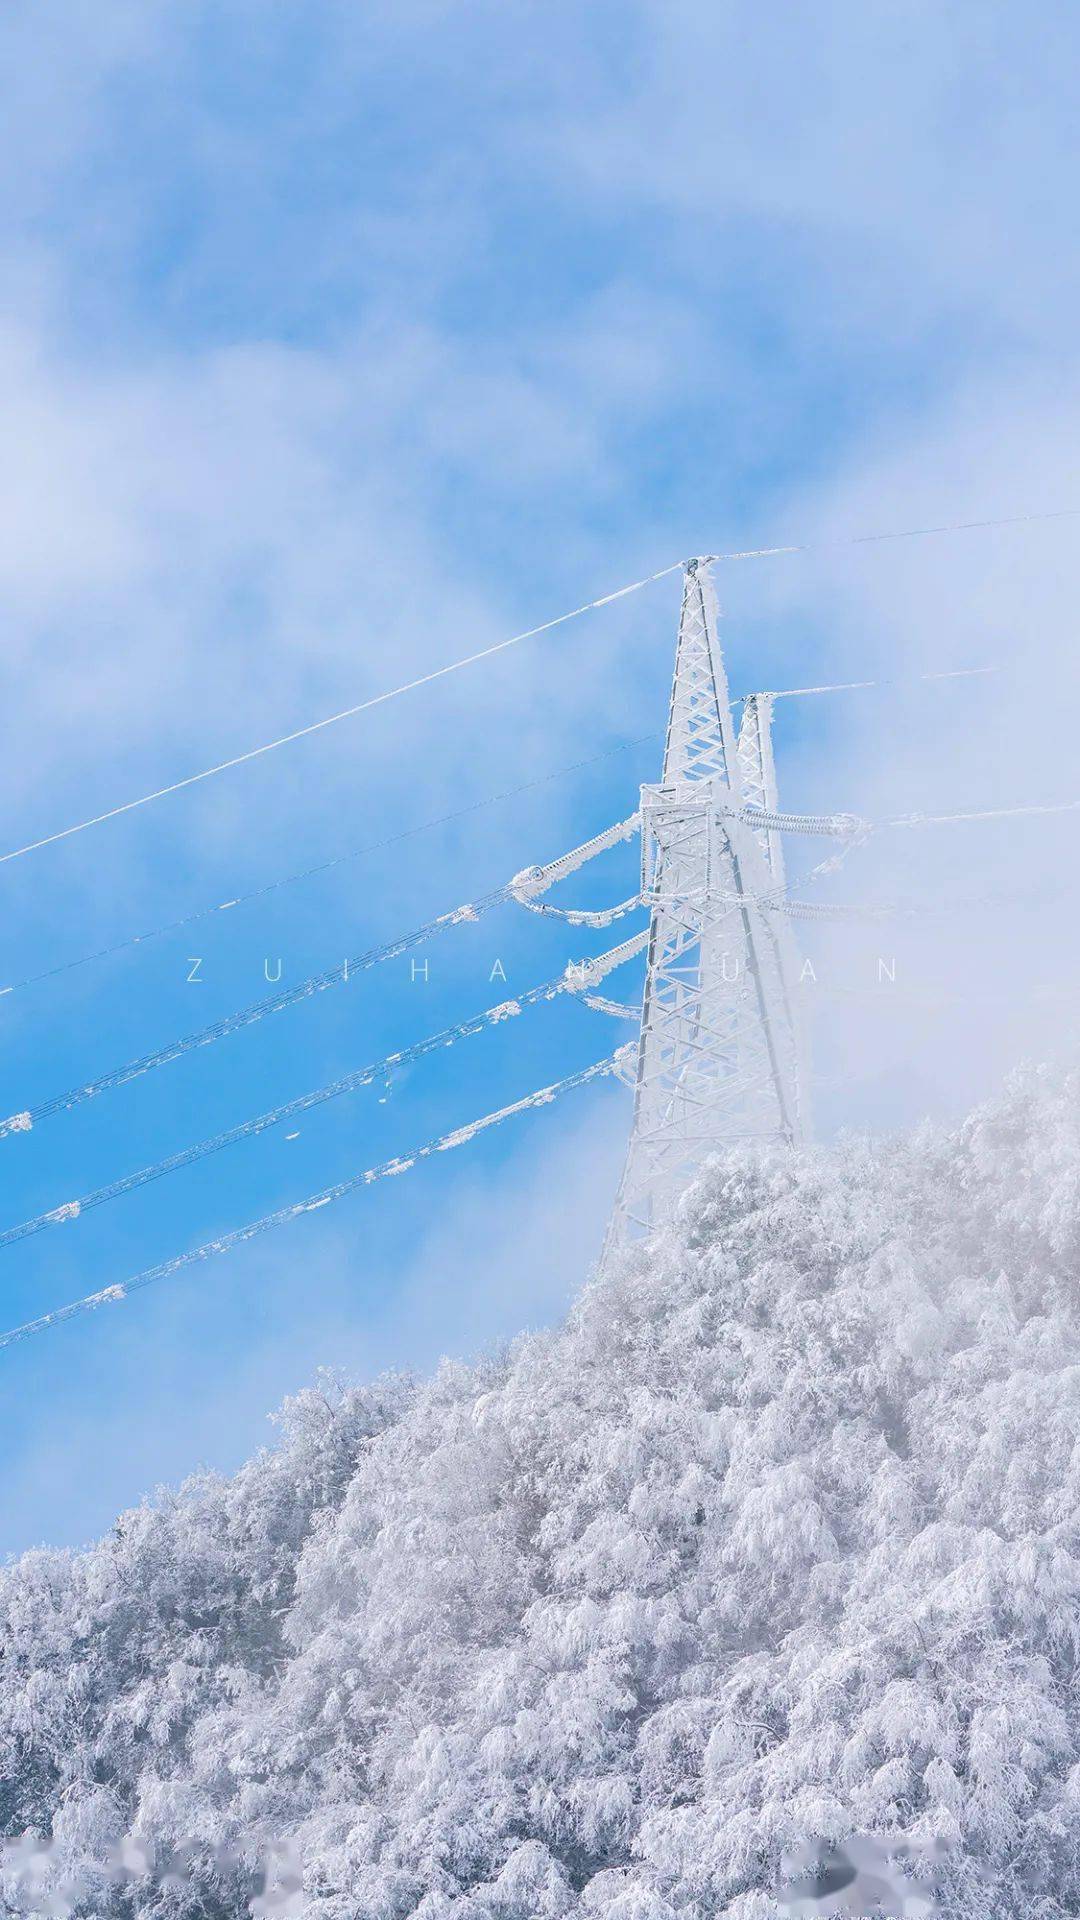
{"x": 346, "y": 713}
{"x": 324, "y": 866}
{"x": 852, "y": 910}
{"x": 572, "y": 981}
{"x": 305, "y": 989}
{"x": 850, "y": 826}
{"x": 108, "y": 1296}
{"x": 905, "y": 533}
{"x": 501, "y": 646}
{"x": 247, "y": 1016}
{"x": 983, "y": 813}
{"x": 857, "y": 686}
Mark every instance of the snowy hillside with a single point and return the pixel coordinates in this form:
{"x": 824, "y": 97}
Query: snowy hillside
{"x": 779, "y": 1537}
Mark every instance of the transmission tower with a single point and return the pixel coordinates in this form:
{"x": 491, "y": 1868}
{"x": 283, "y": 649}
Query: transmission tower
{"x": 719, "y": 1058}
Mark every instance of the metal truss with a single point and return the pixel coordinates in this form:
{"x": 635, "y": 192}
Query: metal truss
{"x": 719, "y": 1055}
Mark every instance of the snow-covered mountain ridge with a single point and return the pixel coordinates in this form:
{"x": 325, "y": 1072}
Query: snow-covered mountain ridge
{"x": 779, "y": 1536}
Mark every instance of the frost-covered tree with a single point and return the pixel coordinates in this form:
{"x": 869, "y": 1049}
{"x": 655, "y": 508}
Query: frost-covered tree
{"x": 777, "y": 1541}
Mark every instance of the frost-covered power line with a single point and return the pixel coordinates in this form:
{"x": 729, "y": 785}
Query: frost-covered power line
{"x": 860, "y": 686}
{"x": 387, "y": 1169}
{"x": 323, "y": 866}
{"x": 573, "y": 981}
{"x": 852, "y": 826}
{"x": 981, "y": 813}
{"x": 248, "y": 1016}
{"x": 537, "y": 879}
{"x": 346, "y": 713}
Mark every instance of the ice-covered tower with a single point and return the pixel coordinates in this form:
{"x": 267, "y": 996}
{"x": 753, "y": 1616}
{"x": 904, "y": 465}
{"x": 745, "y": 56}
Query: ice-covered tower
{"x": 718, "y": 1059}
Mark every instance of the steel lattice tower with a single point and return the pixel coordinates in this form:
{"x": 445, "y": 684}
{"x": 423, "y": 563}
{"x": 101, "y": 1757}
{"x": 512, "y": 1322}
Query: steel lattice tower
{"x": 719, "y": 1057}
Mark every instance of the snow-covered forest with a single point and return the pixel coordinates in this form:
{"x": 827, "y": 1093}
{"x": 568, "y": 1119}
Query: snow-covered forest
{"x": 778, "y": 1537}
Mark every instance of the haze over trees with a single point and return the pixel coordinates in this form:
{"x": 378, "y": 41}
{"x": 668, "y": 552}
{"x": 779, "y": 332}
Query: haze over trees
{"x": 778, "y": 1538}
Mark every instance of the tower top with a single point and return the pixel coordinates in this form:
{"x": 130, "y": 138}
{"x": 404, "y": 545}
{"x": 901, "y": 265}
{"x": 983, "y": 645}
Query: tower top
{"x": 700, "y": 742}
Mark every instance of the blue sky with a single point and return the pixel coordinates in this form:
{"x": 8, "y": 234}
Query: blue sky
{"x": 339, "y": 341}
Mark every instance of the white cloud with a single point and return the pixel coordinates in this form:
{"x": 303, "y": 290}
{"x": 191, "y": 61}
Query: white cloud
{"x": 914, "y": 160}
